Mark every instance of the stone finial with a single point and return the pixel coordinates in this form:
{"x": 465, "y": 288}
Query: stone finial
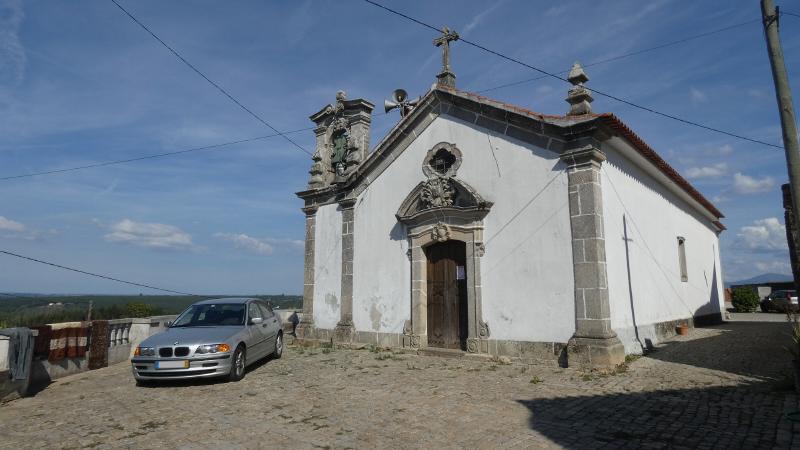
{"x": 578, "y": 97}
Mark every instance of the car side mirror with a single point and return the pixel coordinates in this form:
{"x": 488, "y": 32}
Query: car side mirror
{"x": 168, "y": 324}
{"x": 256, "y": 320}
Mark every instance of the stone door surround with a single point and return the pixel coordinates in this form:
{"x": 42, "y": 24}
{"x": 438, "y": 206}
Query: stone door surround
{"x": 416, "y": 332}
{"x": 441, "y": 209}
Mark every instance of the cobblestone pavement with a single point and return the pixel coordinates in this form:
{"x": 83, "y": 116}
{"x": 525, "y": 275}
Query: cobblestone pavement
{"x": 719, "y": 387}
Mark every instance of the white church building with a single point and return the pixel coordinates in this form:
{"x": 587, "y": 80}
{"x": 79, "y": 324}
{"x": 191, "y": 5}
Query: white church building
{"x": 480, "y": 227}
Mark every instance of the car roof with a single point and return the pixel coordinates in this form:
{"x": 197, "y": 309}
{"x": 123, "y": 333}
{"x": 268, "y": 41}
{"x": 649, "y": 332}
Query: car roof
{"x": 226, "y": 300}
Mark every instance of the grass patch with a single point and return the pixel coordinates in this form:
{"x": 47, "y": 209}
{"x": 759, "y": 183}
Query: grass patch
{"x": 631, "y": 358}
{"x": 536, "y": 380}
{"x": 386, "y": 356}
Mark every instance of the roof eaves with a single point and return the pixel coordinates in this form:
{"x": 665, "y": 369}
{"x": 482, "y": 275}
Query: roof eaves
{"x": 648, "y": 153}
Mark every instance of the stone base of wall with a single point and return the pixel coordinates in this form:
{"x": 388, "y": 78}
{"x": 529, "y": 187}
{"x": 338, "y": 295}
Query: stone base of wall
{"x": 595, "y": 353}
{"x": 655, "y": 333}
{"x": 120, "y": 353}
{"x": 530, "y": 352}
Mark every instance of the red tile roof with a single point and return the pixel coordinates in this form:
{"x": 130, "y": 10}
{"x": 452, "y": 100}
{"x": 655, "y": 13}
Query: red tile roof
{"x": 614, "y": 123}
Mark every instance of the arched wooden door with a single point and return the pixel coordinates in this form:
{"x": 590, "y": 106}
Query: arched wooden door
{"x": 447, "y": 295}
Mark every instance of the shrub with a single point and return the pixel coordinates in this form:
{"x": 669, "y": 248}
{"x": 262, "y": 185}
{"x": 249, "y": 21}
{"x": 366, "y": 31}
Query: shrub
{"x": 745, "y": 300}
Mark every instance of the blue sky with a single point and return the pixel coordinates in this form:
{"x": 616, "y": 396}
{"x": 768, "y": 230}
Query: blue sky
{"x": 81, "y": 83}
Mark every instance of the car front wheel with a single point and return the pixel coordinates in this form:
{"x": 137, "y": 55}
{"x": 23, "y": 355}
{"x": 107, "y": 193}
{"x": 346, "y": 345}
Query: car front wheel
{"x": 237, "y": 364}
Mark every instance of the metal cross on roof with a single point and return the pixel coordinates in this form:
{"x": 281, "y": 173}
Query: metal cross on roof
{"x": 446, "y": 76}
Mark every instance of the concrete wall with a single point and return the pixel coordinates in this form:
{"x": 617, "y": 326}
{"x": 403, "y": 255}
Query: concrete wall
{"x": 328, "y": 267}
{"x": 527, "y": 273}
{"x": 655, "y": 218}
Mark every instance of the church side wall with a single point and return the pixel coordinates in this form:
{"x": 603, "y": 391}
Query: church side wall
{"x": 655, "y": 219}
{"x": 327, "y": 267}
{"x": 526, "y": 272}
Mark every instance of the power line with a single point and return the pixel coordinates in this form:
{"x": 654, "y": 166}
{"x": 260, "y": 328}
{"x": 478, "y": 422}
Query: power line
{"x": 628, "y": 55}
{"x": 225, "y": 144}
{"x": 552, "y": 75}
{"x": 94, "y": 274}
{"x": 789, "y": 14}
{"x": 157, "y": 155}
{"x": 217, "y": 86}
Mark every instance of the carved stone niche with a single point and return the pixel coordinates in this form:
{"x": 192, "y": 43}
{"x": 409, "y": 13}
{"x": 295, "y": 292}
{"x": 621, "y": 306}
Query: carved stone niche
{"x": 342, "y": 140}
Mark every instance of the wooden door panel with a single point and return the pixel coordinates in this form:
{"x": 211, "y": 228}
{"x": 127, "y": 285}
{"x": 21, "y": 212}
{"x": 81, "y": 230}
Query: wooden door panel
{"x": 446, "y": 295}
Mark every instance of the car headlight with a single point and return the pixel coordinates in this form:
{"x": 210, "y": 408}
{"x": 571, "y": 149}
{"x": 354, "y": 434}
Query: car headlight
{"x": 144, "y": 351}
{"x": 213, "y": 348}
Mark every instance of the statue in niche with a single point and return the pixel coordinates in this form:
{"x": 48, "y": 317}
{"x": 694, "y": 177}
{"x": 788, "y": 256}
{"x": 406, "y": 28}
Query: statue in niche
{"x": 339, "y": 142}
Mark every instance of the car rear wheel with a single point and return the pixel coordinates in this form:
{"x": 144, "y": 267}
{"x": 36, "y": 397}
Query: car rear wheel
{"x": 237, "y": 364}
{"x": 278, "y": 346}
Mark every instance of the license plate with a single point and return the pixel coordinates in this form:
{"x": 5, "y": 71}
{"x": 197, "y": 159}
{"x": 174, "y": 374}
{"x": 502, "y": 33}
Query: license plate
{"x": 172, "y": 364}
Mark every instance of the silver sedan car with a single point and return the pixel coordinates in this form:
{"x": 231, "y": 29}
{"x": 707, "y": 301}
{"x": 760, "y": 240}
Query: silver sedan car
{"x": 211, "y": 338}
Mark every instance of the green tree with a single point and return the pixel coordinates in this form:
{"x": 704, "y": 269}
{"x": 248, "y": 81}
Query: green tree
{"x": 140, "y": 310}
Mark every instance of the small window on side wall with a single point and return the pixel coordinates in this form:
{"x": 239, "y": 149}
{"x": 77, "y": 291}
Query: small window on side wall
{"x": 682, "y": 258}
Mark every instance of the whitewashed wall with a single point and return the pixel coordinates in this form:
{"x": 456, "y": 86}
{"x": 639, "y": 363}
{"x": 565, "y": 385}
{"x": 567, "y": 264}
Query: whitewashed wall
{"x": 655, "y": 218}
{"x": 527, "y": 273}
{"x": 328, "y": 266}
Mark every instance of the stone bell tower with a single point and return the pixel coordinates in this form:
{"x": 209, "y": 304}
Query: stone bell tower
{"x": 342, "y": 140}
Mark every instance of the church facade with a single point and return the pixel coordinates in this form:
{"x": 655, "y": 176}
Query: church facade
{"x": 477, "y": 226}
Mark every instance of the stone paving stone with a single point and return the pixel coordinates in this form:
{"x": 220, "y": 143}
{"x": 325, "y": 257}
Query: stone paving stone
{"x": 719, "y": 387}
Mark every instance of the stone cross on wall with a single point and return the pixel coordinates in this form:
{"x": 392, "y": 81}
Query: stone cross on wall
{"x": 446, "y": 76}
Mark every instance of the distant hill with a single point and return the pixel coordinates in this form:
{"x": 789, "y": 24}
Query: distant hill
{"x": 763, "y": 278}
{"x": 34, "y": 309}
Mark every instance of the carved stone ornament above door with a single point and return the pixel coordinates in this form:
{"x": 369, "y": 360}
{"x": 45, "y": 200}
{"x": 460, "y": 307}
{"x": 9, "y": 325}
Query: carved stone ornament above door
{"x": 442, "y": 195}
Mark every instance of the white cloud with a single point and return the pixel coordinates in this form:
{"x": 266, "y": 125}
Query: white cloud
{"x": 714, "y": 170}
{"x": 764, "y": 235}
{"x": 479, "y": 17}
{"x": 774, "y": 266}
{"x": 723, "y": 150}
{"x": 12, "y": 53}
{"x": 248, "y": 243}
{"x": 294, "y": 243}
{"x": 11, "y": 229}
{"x": 151, "y": 235}
{"x": 8, "y": 225}
{"x": 697, "y": 95}
{"x": 263, "y": 246}
{"x": 744, "y": 184}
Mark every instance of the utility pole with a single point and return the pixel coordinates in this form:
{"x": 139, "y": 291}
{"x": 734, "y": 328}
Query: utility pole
{"x": 770, "y": 18}
{"x": 89, "y": 313}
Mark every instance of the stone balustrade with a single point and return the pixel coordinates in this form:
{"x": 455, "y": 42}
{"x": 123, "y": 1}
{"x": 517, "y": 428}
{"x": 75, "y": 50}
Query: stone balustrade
{"x": 109, "y": 342}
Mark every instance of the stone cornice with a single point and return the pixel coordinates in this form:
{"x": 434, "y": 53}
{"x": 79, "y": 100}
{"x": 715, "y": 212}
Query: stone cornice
{"x": 583, "y": 157}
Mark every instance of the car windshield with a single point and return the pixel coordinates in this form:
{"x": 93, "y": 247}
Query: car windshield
{"x": 209, "y": 315}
